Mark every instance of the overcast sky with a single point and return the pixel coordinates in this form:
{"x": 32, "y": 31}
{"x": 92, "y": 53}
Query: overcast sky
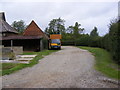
{"x": 88, "y": 14}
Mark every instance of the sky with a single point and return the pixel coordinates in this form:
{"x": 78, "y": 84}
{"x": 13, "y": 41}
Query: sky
{"x": 89, "y": 13}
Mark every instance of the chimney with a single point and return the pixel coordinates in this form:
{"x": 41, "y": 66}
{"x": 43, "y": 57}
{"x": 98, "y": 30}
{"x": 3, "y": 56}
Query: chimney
{"x": 2, "y": 16}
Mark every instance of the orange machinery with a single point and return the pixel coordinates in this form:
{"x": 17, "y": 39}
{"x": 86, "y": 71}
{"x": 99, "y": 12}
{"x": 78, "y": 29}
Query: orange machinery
{"x": 55, "y": 41}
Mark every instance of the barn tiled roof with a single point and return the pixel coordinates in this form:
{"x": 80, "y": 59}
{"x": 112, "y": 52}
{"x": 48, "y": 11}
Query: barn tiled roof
{"x": 4, "y": 26}
{"x": 33, "y": 30}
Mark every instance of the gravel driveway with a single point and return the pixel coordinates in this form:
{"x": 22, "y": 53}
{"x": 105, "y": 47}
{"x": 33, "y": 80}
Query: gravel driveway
{"x": 70, "y": 67}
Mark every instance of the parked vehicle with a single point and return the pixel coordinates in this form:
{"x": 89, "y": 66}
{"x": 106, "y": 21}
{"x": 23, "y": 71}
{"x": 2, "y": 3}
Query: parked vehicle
{"x": 55, "y": 41}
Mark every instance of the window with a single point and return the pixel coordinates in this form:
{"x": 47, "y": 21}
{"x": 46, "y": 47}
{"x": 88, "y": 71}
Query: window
{"x": 55, "y": 41}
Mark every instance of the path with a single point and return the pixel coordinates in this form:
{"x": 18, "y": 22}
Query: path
{"x": 70, "y": 67}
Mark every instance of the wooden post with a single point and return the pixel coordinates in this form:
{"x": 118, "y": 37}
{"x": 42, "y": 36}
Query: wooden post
{"x": 11, "y": 44}
{"x": 41, "y": 45}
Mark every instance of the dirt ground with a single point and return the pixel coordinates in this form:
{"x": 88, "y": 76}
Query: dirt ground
{"x": 70, "y": 67}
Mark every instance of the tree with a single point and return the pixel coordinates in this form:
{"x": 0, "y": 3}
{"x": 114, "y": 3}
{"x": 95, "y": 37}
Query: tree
{"x": 56, "y": 26}
{"x": 75, "y": 30}
{"x": 19, "y": 26}
{"x": 114, "y": 38}
{"x": 94, "y": 32}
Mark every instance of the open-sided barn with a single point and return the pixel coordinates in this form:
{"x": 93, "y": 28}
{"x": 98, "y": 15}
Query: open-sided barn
{"x": 33, "y": 38}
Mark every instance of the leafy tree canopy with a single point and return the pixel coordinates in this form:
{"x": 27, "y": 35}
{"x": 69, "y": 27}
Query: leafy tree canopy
{"x": 94, "y": 32}
{"x": 56, "y": 26}
{"x": 19, "y": 26}
{"x": 75, "y": 29}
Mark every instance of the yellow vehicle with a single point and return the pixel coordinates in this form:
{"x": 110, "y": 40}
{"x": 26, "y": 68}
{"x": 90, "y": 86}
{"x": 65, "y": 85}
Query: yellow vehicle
{"x": 54, "y": 42}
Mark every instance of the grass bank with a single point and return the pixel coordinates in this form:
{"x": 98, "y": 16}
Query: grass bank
{"x": 104, "y": 62}
{"x": 8, "y": 68}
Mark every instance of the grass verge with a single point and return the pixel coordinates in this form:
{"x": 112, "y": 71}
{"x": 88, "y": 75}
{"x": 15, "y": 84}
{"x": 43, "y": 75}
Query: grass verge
{"x": 104, "y": 62}
{"x": 8, "y": 68}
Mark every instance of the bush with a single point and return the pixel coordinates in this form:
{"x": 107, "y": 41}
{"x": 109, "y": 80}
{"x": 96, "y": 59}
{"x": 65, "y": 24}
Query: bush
{"x": 114, "y": 44}
{"x": 83, "y": 40}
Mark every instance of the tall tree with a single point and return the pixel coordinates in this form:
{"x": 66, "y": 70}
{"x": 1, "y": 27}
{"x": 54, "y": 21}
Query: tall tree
{"x": 114, "y": 39}
{"x": 56, "y": 26}
{"x": 19, "y": 26}
{"x": 94, "y": 32}
{"x": 76, "y": 30}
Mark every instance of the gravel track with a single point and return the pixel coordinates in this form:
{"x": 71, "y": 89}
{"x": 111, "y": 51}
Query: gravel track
{"x": 70, "y": 67}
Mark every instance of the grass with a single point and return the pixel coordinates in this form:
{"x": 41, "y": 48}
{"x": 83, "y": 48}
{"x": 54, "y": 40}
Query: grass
{"x": 104, "y": 62}
{"x": 8, "y": 65}
{"x": 8, "y": 68}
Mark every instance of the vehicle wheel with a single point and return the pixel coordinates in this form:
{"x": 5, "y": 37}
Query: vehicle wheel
{"x": 59, "y": 48}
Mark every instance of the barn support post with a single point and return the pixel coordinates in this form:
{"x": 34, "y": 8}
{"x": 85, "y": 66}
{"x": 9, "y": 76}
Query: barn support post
{"x": 41, "y": 45}
{"x": 11, "y": 44}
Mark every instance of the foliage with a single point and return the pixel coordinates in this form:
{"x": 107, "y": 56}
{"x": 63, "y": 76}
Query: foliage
{"x": 72, "y": 34}
{"x": 19, "y": 26}
{"x": 75, "y": 30}
{"x": 94, "y": 32}
{"x": 114, "y": 39}
{"x": 56, "y": 26}
{"x": 111, "y": 40}
{"x": 83, "y": 40}
{"x": 104, "y": 62}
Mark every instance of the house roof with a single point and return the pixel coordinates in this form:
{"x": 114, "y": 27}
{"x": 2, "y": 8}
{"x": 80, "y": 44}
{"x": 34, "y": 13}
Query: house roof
{"x": 4, "y": 26}
{"x": 33, "y": 30}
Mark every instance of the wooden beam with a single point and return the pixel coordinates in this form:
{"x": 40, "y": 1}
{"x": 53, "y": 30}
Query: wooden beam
{"x": 11, "y": 44}
{"x": 41, "y": 45}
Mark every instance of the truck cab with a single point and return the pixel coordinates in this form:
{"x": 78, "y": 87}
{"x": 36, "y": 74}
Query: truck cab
{"x": 54, "y": 42}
